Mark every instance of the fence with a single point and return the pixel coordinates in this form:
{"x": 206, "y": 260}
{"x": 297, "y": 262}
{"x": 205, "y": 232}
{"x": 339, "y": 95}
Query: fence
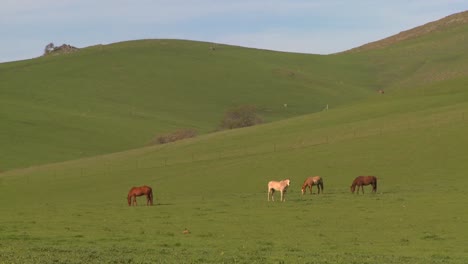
{"x": 151, "y": 158}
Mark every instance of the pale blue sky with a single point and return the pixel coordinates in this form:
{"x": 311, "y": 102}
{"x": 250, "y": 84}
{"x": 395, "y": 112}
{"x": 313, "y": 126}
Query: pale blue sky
{"x": 314, "y": 26}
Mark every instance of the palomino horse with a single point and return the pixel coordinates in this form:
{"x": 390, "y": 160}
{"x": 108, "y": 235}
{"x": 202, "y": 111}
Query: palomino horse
{"x": 311, "y": 181}
{"x": 281, "y": 186}
{"x": 139, "y": 191}
{"x": 360, "y": 181}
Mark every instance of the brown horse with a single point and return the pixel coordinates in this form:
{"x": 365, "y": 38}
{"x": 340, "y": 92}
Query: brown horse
{"x": 361, "y": 181}
{"x": 281, "y": 186}
{"x": 139, "y": 191}
{"x": 311, "y": 181}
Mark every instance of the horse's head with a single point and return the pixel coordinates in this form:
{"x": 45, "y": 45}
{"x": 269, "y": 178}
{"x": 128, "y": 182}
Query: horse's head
{"x": 287, "y": 181}
{"x": 352, "y": 188}
{"x": 303, "y": 190}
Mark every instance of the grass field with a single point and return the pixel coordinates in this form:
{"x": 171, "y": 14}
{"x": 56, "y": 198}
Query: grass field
{"x": 117, "y": 97}
{"x": 215, "y": 186}
{"x": 75, "y": 127}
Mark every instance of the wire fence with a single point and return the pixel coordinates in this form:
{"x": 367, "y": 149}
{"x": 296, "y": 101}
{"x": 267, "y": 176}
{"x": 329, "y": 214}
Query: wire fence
{"x": 156, "y": 157}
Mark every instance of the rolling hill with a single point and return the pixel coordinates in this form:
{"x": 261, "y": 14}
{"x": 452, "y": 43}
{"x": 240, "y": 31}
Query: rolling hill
{"x": 106, "y": 99}
{"x": 112, "y": 98}
{"x": 109, "y": 98}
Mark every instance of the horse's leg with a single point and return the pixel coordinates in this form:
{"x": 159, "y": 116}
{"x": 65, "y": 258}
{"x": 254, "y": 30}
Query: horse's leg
{"x": 271, "y": 193}
{"x": 148, "y": 199}
{"x": 282, "y": 197}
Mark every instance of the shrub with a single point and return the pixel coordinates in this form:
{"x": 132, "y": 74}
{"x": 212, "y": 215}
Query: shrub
{"x": 174, "y": 136}
{"x": 241, "y": 116}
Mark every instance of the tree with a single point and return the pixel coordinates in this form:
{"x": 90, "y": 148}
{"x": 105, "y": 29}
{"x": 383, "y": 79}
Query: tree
{"x": 241, "y": 116}
{"x": 49, "y": 48}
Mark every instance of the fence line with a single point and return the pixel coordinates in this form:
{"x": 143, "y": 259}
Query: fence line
{"x": 109, "y": 168}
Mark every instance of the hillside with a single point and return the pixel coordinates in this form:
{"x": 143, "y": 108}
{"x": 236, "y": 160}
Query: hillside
{"x": 446, "y": 23}
{"x": 109, "y": 98}
{"x": 90, "y": 106}
{"x": 215, "y": 186}
{"x": 421, "y": 57}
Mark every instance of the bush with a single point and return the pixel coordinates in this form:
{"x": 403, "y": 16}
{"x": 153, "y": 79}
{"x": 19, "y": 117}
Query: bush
{"x": 241, "y": 116}
{"x": 174, "y": 136}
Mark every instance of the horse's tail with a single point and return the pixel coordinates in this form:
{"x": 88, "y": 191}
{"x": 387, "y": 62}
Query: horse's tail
{"x": 151, "y": 196}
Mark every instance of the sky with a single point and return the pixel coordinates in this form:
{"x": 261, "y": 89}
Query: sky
{"x": 304, "y": 26}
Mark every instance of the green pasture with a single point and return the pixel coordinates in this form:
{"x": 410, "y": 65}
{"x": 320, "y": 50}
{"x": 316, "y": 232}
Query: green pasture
{"x": 116, "y": 97}
{"x": 215, "y": 186}
{"x": 75, "y": 129}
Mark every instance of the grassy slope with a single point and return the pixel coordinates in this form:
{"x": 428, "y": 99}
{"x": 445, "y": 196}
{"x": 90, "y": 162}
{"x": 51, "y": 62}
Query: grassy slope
{"x": 215, "y": 185}
{"x": 428, "y": 54}
{"x": 412, "y": 138}
{"x": 116, "y": 97}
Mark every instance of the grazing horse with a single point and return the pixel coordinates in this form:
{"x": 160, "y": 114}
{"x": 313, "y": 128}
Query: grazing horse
{"x": 139, "y": 191}
{"x": 361, "y": 181}
{"x": 311, "y": 181}
{"x": 281, "y": 186}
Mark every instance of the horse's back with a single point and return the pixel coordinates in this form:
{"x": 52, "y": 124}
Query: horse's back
{"x": 277, "y": 185}
{"x": 138, "y": 191}
{"x": 317, "y": 179}
{"x": 365, "y": 179}
{"x": 313, "y": 180}
{"x": 273, "y": 184}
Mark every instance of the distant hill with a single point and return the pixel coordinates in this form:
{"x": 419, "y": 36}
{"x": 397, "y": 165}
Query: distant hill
{"x": 423, "y": 56}
{"x": 108, "y": 98}
{"x": 455, "y": 20}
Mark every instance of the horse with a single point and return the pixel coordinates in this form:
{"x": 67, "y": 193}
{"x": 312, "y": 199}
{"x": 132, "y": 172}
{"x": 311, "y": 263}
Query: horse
{"x": 361, "y": 181}
{"x": 311, "y": 181}
{"x": 281, "y": 186}
{"x": 139, "y": 191}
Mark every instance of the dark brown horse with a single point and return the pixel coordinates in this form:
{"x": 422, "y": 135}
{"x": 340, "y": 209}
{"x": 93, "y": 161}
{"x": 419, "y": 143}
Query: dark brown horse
{"x": 311, "y": 181}
{"x": 361, "y": 181}
{"x": 139, "y": 191}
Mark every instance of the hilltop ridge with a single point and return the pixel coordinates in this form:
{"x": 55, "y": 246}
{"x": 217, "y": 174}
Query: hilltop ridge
{"x": 453, "y": 20}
